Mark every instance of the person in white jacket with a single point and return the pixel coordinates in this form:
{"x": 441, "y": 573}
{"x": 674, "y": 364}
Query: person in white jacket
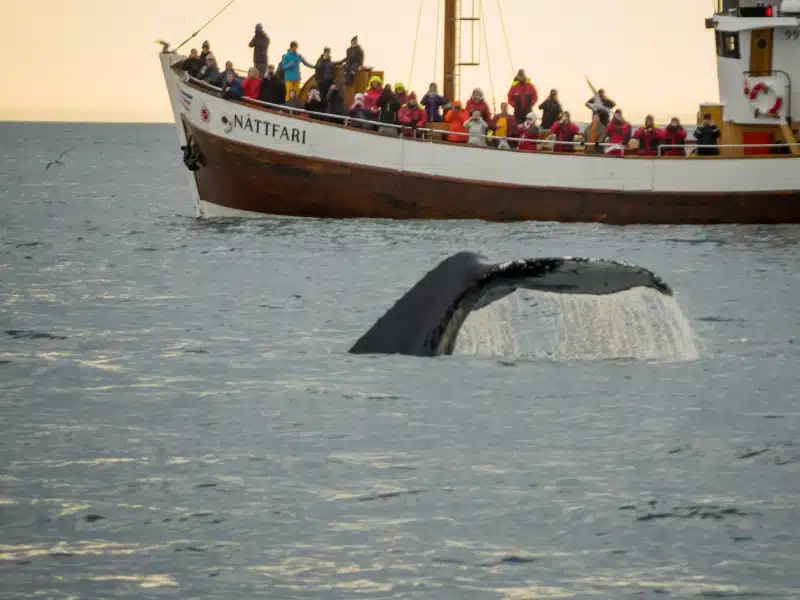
{"x": 477, "y": 128}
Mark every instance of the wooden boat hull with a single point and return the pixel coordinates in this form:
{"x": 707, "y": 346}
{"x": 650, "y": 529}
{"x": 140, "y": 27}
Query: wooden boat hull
{"x": 257, "y": 161}
{"x": 245, "y": 178}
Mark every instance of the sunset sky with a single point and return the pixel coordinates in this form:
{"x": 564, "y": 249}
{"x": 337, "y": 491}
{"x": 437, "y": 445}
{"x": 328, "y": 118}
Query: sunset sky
{"x": 95, "y": 60}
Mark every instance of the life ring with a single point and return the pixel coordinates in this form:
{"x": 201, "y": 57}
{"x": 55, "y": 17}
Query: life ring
{"x": 758, "y": 94}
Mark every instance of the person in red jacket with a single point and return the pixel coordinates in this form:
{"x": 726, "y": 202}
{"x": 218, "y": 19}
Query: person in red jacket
{"x": 618, "y": 134}
{"x": 412, "y": 116}
{"x": 565, "y": 131}
{"x": 674, "y": 139}
{"x": 649, "y": 137}
{"x": 522, "y": 95}
{"x": 526, "y": 132}
{"x": 455, "y": 119}
{"x": 478, "y": 102}
{"x": 372, "y": 96}
{"x": 251, "y": 88}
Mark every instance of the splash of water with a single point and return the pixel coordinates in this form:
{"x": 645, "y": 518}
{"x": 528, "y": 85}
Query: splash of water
{"x": 639, "y": 324}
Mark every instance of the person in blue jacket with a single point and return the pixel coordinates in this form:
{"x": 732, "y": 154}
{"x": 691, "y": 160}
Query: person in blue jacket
{"x": 232, "y": 87}
{"x": 291, "y": 68}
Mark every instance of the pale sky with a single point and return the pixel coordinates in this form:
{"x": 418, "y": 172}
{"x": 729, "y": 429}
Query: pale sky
{"x": 95, "y": 60}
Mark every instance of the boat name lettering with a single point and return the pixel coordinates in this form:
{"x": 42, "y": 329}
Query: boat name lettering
{"x": 281, "y": 132}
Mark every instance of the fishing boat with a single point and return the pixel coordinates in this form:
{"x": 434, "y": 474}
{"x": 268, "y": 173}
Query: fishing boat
{"x": 250, "y": 158}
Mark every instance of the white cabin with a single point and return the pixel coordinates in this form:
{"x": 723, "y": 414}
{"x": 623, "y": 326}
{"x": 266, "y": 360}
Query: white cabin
{"x": 758, "y": 60}
{"x": 758, "y": 67}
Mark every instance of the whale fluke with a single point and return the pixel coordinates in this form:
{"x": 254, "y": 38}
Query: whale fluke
{"x": 427, "y": 319}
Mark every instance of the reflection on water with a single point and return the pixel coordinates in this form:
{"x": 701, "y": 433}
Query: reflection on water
{"x": 180, "y": 418}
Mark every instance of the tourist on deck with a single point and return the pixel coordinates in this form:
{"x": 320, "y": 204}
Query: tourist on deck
{"x": 353, "y": 61}
{"x": 292, "y": 101}
{"x": 324, "y": 71}
{"x": 477, "y": 127}
{"x": 478, "y": 102}
{"x": 388, "y": 104}
{"x": 602, "y": 105}
{"x": 291, "y": 68}
{"x": 206, "y": 50}
{"x": 400, "y": 92}
{"x": 260, "y": 46}
{"x": 314, "y": 102}
{"x": 433, "y": 103}
{"x": 273, "y": 90}
{"x": 619, "y": 134}
{"x": 357, "y": 111}
{"x": 505, "y": 126}
{"x": 412, "y": 117}
{"x": 193, "y": 64}
{"x": 251, "y": 87}
{"x": 551, "y": 110}
{"x": 565, "y": 131}
{"x": 210, "y": 72}
{"x": 455, "y": 118}
{"x": 528, "y": 132}
{"x": 371, "y": 96}
{"x": 595, "y": 135}
{"x": 232, "y": 87}
{"x": 649, "y": 137}
{"x": 522, "y": 95}
{"x": 228, "y": 69}
{"x": 674, "y": 139}
{"x": 334, "y": 101}
{"x": 707, "y": 135}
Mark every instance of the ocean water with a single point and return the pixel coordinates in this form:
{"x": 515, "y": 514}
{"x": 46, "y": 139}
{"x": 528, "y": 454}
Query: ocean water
{"x": 180, "y": 418}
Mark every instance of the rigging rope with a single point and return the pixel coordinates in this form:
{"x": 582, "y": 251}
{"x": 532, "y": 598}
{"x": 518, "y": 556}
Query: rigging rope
{"x": 436, "y": 46}
{"x": 224, "y": 8}
{"x": 414, "y": 52}
{"x": 505, "y": 35}
{"x": 488, "y": 56}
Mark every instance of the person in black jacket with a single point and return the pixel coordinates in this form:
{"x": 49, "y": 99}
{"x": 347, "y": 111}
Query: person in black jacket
{"x": 353, "y": 61}
{"x": 273, "y": 90}
{"x": 324, "y": 72}
{"x": 388, "y": 104}
{"x": 192, "y": 64}
{"x": 334, "y": 101}
{"x": 707, "y": 135}
{"x": 260, "y": 46}
{"x": 551, "y": 110}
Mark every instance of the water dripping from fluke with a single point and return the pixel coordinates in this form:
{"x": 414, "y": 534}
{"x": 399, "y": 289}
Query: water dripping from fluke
{"x": 546, "y": 308}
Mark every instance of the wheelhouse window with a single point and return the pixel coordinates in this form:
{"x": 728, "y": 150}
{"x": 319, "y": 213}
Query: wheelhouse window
{"x": 728, "y": 44}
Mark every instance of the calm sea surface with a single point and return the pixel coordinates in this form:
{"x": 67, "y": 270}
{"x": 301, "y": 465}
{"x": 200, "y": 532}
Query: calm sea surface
{"x": 180, "y": 418}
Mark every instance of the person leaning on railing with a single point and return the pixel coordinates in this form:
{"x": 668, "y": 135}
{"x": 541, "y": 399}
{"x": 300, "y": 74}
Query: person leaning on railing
{"x": 707, "y": 135}
{"x": 412, "y": 117}
{"x": 674, "y": 139}
{"x": 527, "y": 133}
{"x": 232, "y": 86}
{"x": 193, "y": 63}
{"x": 594, "y": 135}
{"x": 649, "y": 137}
{"x": 389, "y": 105}
{"x": 273, "y": 89}
{"x": 565, "y": 131}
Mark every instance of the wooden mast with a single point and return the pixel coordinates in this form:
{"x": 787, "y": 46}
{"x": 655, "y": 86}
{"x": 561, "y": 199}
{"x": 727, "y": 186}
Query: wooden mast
{"x": 449, "y": 79}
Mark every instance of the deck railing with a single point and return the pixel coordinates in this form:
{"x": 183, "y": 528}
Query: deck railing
{"x": 347, "y": 120}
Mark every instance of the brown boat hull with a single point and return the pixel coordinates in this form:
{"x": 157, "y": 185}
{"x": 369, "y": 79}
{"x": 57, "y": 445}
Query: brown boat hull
{"x": 247, "y": 178}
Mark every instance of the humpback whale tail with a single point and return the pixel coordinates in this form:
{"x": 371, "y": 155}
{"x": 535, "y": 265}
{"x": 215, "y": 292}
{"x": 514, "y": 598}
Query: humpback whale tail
{"x": 427, "y": 319}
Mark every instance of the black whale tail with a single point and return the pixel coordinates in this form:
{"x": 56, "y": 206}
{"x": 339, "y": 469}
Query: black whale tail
{"x": 427, "y": 319}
